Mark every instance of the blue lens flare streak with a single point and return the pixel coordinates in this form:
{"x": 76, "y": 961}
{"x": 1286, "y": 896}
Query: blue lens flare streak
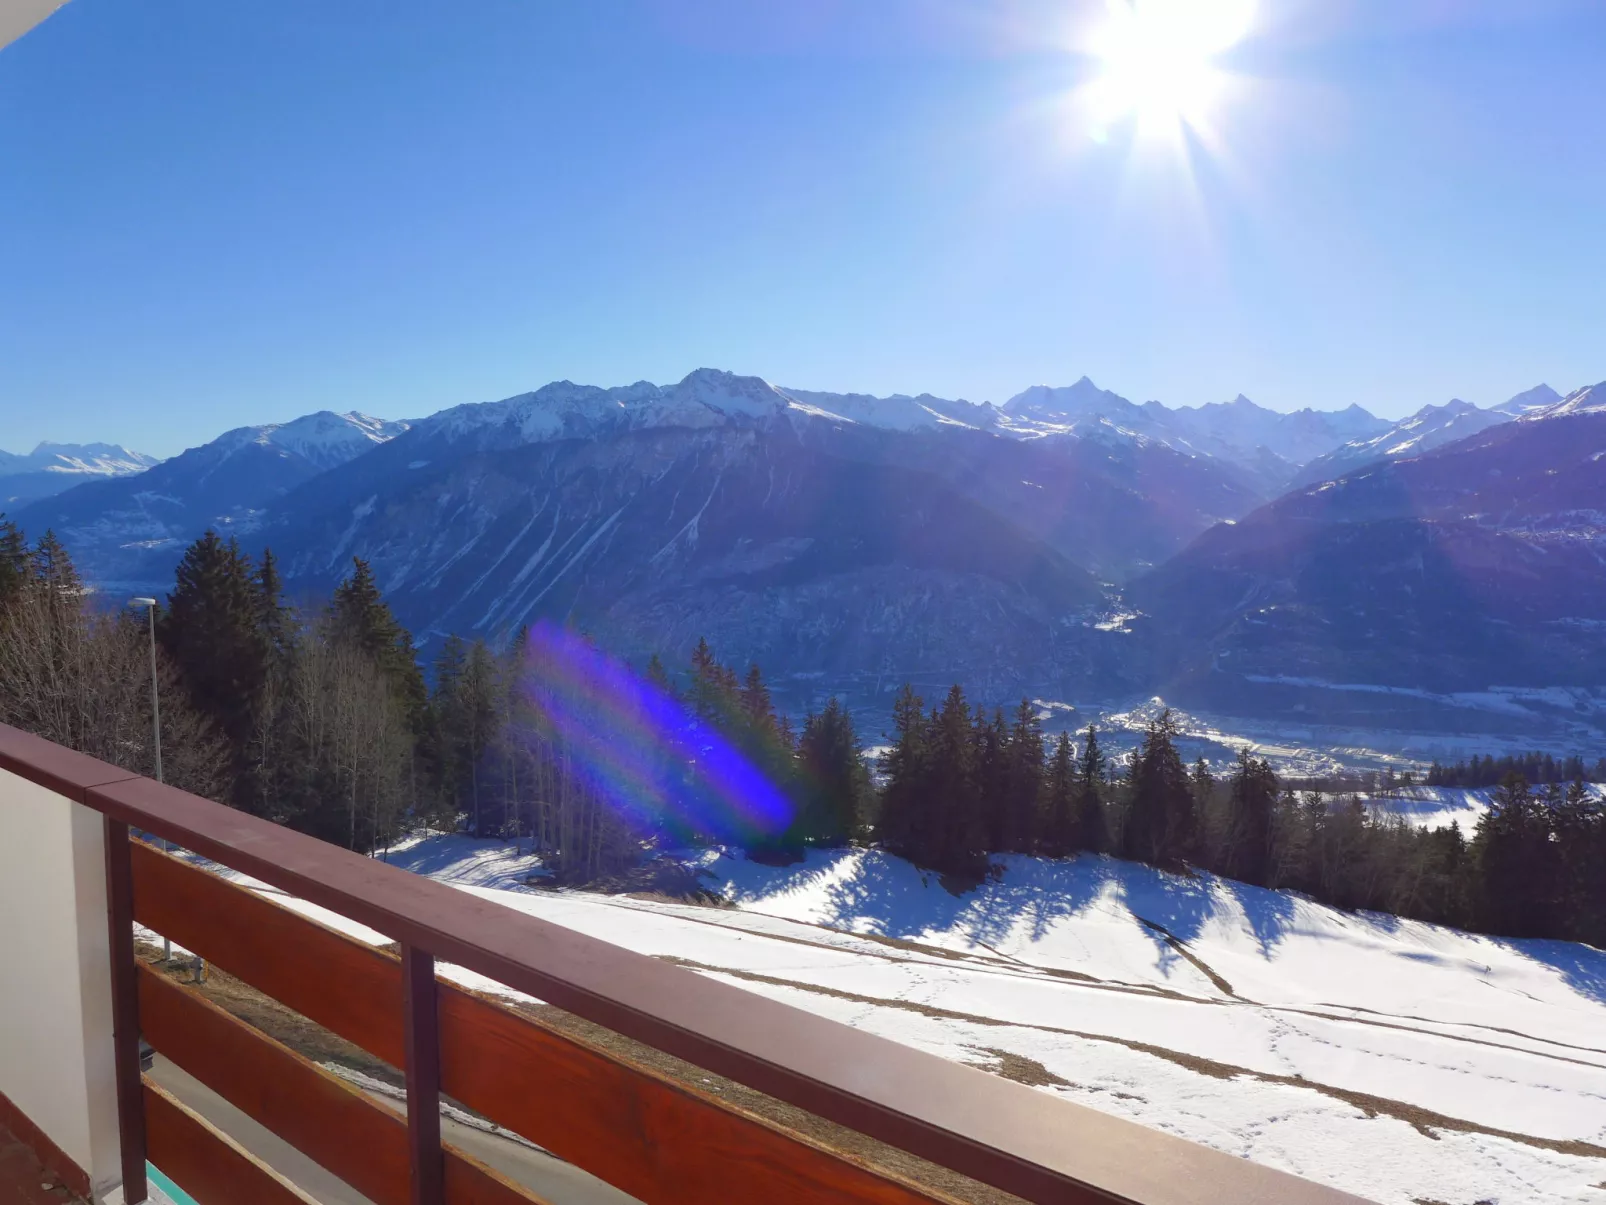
{"x": 645, "y": 752}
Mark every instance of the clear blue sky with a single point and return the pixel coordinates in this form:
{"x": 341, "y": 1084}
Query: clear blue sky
{"x": 220, "y": 213}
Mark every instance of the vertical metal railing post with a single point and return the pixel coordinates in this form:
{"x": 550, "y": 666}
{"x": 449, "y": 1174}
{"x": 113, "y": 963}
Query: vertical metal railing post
{"x": 421, "y": 1017}
{"x": 125, "y": 1011}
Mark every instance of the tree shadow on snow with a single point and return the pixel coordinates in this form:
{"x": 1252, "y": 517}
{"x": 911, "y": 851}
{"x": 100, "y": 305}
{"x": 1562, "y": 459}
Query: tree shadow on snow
{"x": 1178, "y": 903}
{"x": 455, "y": 857}
{"x": 1269, "y": 914}
{"x": 1582, "y": 967}
{"x": 892, "y": 898}
{"x": 748, "y": 881}
{"x": 1035, "y": 891}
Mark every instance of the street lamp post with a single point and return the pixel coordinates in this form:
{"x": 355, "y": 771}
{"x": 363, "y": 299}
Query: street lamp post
{"x": 156, "y": 701}
{"x": 149, "y": 605}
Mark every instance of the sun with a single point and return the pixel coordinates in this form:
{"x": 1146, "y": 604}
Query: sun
{"x": 1157, "y": 64}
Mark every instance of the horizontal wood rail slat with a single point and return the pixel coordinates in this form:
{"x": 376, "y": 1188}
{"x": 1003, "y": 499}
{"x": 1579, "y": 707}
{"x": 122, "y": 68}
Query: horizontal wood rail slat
{"x": 344, "y": 985}
{"x": 207, "y": 1163}
{"x": 655, "y": 1139}
{"x": 678, "y": 1146}
{"x": 334, "y": 1124}
{"x": 1016, "y": 1138}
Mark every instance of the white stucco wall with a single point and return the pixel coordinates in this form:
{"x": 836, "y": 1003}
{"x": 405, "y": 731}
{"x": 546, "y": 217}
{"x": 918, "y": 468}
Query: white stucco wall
{"x": 55, "y": 980}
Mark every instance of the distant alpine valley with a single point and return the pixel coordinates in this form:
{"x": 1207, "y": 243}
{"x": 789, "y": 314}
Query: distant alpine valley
{"x": 1446, "y": 573}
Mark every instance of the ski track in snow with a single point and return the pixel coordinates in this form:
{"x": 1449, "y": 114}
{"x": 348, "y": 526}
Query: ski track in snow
{"x": 1468, "y": 1069}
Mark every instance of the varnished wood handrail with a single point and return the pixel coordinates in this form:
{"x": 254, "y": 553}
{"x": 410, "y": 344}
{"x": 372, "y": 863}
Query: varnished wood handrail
{"x": 1039, "y": 1147}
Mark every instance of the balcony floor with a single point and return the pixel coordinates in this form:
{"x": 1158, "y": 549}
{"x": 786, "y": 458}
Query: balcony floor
{"x": 23, "y": 1181}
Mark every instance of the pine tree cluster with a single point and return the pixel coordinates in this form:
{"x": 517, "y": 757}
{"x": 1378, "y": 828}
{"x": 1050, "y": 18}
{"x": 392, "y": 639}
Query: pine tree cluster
{"x": 960, "y": 785}
{"x": 1536, "y": 769}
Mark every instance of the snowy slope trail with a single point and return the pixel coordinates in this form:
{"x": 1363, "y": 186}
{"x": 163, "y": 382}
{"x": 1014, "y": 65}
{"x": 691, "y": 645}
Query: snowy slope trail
{"x": 1465, "y": 1069}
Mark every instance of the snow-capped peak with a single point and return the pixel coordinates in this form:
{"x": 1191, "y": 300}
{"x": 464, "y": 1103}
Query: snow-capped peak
{"x": 1083, "y": 398}
{"x": 727, "y": 393}
{"x": 1529, "y": 401}
{"x": 94, "y": 459}
{"x": 324, "y": 439}
{"x": 563, "y": 410}
{"x": 317, "y": 435}
{"x": 1591, "y": 399}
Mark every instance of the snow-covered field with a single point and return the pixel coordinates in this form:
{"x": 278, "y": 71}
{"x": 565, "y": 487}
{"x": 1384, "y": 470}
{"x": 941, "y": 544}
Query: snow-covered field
{"x": 1435, "y": 807}
{"x": 1574, "y": 721}
{"x": 1394, "y": 1059}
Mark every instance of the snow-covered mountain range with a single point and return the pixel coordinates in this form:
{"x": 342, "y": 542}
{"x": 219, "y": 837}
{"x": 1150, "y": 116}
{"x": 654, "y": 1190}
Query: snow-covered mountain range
{"x": 129, "y": 529}
{"x": 1267, "y": 443}
{"x": 51, "y": 468}
{"x": 1429, "y": 428}
{"x": 1068, "y": 542}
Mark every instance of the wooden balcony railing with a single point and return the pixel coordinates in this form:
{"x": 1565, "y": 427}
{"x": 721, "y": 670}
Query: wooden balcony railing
{"x": 655, "y": 1138}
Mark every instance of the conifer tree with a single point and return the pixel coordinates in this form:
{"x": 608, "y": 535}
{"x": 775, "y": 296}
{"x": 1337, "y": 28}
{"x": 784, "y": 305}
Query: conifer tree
{"x": 274, "y": 617}
{"x": 1023, "y": 781}
{"x": 14, "y": 566}
{"x": 711, "y": 684}
{"x": 53, "y": 569}
{"x": 957, "y": 838}
{"x": 476, "y": 714}
{"x": 989, "y": 750}
{"x": 757, "y": 708}
{"x": 1442, "y": 894}
{"x": 1061, "y": 832}
{"x": 1159, "y": 825}
{"x": 836, "y": 784}
{"x": 658, "y": 676}
{"x": 361, "y": 619}
{"x": 1252, "y": 801}
{"x": 213, "y": 629}
{"x": 1092, "y": 824}
{"x": 906, "y": 766}
{"x": 445, "y": 743}
{"x": 1579, "y": 822}
{"x": 1516, "y": 863}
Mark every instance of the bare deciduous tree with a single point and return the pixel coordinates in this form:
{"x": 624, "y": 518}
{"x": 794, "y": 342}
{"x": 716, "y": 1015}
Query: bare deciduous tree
{"x": 81, "y": 678}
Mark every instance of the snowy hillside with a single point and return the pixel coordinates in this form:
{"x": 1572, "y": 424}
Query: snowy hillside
{"x": 1468, "y": 1069}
